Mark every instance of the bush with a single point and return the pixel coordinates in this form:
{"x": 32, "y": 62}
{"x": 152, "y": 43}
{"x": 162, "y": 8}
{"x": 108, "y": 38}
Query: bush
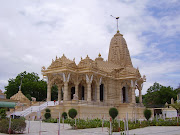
{"x": 47, "y": 115}
{"x": 147, "y": 114}
{"x": 113, "y": 112}
{"x": 47, "y": 110}
{"x": 17, "y": 125}
{"x": 64, "y": 114}
{"x": 72, "y": 113}
{"x": 2, "y": 113}
{"x": 4, "y": 125}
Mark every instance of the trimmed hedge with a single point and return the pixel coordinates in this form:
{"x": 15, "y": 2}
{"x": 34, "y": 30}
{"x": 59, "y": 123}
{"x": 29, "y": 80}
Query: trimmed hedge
{"x": 147, "y": 114}
{"x": 113, "y": 112}
{"x": 72, "y": 113}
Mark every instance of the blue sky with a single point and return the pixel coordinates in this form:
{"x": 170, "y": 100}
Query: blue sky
{"x": 33, "y": 32}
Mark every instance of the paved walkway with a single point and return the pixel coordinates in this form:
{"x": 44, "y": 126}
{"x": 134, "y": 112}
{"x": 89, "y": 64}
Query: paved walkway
{"x": 52, "y": 129}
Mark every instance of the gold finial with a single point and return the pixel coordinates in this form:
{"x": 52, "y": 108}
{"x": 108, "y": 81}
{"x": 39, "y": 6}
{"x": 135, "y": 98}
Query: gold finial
{"x": 56, "y": 57}
{"x": 81, "y": 58}
{"x": 99, "y": 55}
{"x": 87, "y": 57}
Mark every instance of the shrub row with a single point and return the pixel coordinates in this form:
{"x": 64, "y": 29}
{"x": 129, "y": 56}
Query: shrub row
{"x": 17, "y": 125}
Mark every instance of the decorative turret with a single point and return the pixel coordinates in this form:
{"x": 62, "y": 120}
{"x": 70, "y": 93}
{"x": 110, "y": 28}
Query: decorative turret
{"x": 118, "y": 51}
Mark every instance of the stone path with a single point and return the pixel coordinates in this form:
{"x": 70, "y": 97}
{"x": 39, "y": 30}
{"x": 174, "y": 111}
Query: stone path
{"x": 52, "y": 129}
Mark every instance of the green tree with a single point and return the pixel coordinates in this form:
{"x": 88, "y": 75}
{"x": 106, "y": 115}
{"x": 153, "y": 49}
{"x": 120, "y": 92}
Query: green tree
{"x": 157, "y": 95}
{"x": 176, "y": 106}
{"x": 72, "y": 113}
{"x": 64, "y": 115}
{"x": 113, "y": 112}
{"x": 31, "y": 86}
{"x": 147, "y": 114}
{"x": 54, "y": 92}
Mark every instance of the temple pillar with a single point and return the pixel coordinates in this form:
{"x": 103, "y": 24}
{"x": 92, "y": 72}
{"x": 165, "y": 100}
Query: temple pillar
{"x": 140, "y": 96}
{"x": 105, "y": 91}
{"x": 49, "y": 92}
{"x": 59, "y": 92}
{"x": 65, "y": 96}
{"x": 133, "y": 95}
{"x": 98, "y": 93}
{"x": 76, "y": 89}
{"x": 88, "y": 91}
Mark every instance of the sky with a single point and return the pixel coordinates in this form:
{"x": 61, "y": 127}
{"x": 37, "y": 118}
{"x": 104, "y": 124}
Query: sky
{"x": 33, "y": 32}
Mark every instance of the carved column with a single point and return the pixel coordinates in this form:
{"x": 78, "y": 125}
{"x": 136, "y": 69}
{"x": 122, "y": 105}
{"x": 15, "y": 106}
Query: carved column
{"x": 98, "y": 93}
{"x": 49, "y": 92}
{"x": 105, "y": 91}
{"x": 76, "y": 89}
{"x": 89, "y": 81}
{"x": 140, "y": 96}
{"x": 133, "y": 95}
{"x": 59, "y": 92}
{"x": 88, "y": 91}
{"x": 66, "y": 80}
{"x": 133, "y": 87}
{"x": 65, "y": 98}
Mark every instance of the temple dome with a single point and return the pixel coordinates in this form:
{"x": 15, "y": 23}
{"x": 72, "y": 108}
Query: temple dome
{"x": 118, "y": 51}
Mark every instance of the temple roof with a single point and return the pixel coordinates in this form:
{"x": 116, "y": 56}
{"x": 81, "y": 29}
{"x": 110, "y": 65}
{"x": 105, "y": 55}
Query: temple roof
{"x": 62, "y": 62}
{"x": 118, "y": 65}
{"x": 19, "y": 96}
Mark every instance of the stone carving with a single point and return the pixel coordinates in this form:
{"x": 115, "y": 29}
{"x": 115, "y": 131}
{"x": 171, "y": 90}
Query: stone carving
{"x": 33, "y": 99}
{"x": 75, "y": 97}
{"x": 43, "y": 68}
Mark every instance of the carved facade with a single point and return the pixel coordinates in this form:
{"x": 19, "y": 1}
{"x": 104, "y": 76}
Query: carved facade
{"x": 112, "y": 81}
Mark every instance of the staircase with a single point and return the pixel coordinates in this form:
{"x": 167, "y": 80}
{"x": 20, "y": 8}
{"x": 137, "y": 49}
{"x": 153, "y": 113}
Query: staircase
{"x": 33, "y": 109}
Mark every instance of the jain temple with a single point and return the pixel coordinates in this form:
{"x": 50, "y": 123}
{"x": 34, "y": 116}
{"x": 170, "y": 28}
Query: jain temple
{"x": 94, "y": 86}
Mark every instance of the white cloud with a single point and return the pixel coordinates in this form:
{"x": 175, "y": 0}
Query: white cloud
{"x": 34, "y": 32}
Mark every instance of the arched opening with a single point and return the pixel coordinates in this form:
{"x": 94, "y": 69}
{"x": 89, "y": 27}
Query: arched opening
{"x": 72, "y": 92}
{"x": 82, "y": 93}
{"x": 93, "y": 91}
{"x": 101, "y": 92}
{"x": 82, "y": 90}
{"x": 124, "y": 95}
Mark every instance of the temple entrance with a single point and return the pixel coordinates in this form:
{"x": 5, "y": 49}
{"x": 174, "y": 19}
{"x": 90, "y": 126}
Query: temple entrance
{"x": 124, "y": 94}
{"x": 72, "y": 92}
{"x": 101, "y": 92}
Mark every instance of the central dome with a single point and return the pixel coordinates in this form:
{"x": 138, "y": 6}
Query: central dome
{"x": 118, "y": 51}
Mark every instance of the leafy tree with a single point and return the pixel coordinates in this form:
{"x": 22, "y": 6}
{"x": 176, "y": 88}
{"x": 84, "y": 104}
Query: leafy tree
{"x": 176, "y": 106}
{"x": 31, "y": 86}
{"x": 147, "y": 114}
{"x": 72, "y": 113}
{"x": 113, "y": 112}
{"x": 64, "y": 114}
{"x": 2, "y": 113}
{"x": 157, "y": 95}
{"x": 54, "y": 92}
